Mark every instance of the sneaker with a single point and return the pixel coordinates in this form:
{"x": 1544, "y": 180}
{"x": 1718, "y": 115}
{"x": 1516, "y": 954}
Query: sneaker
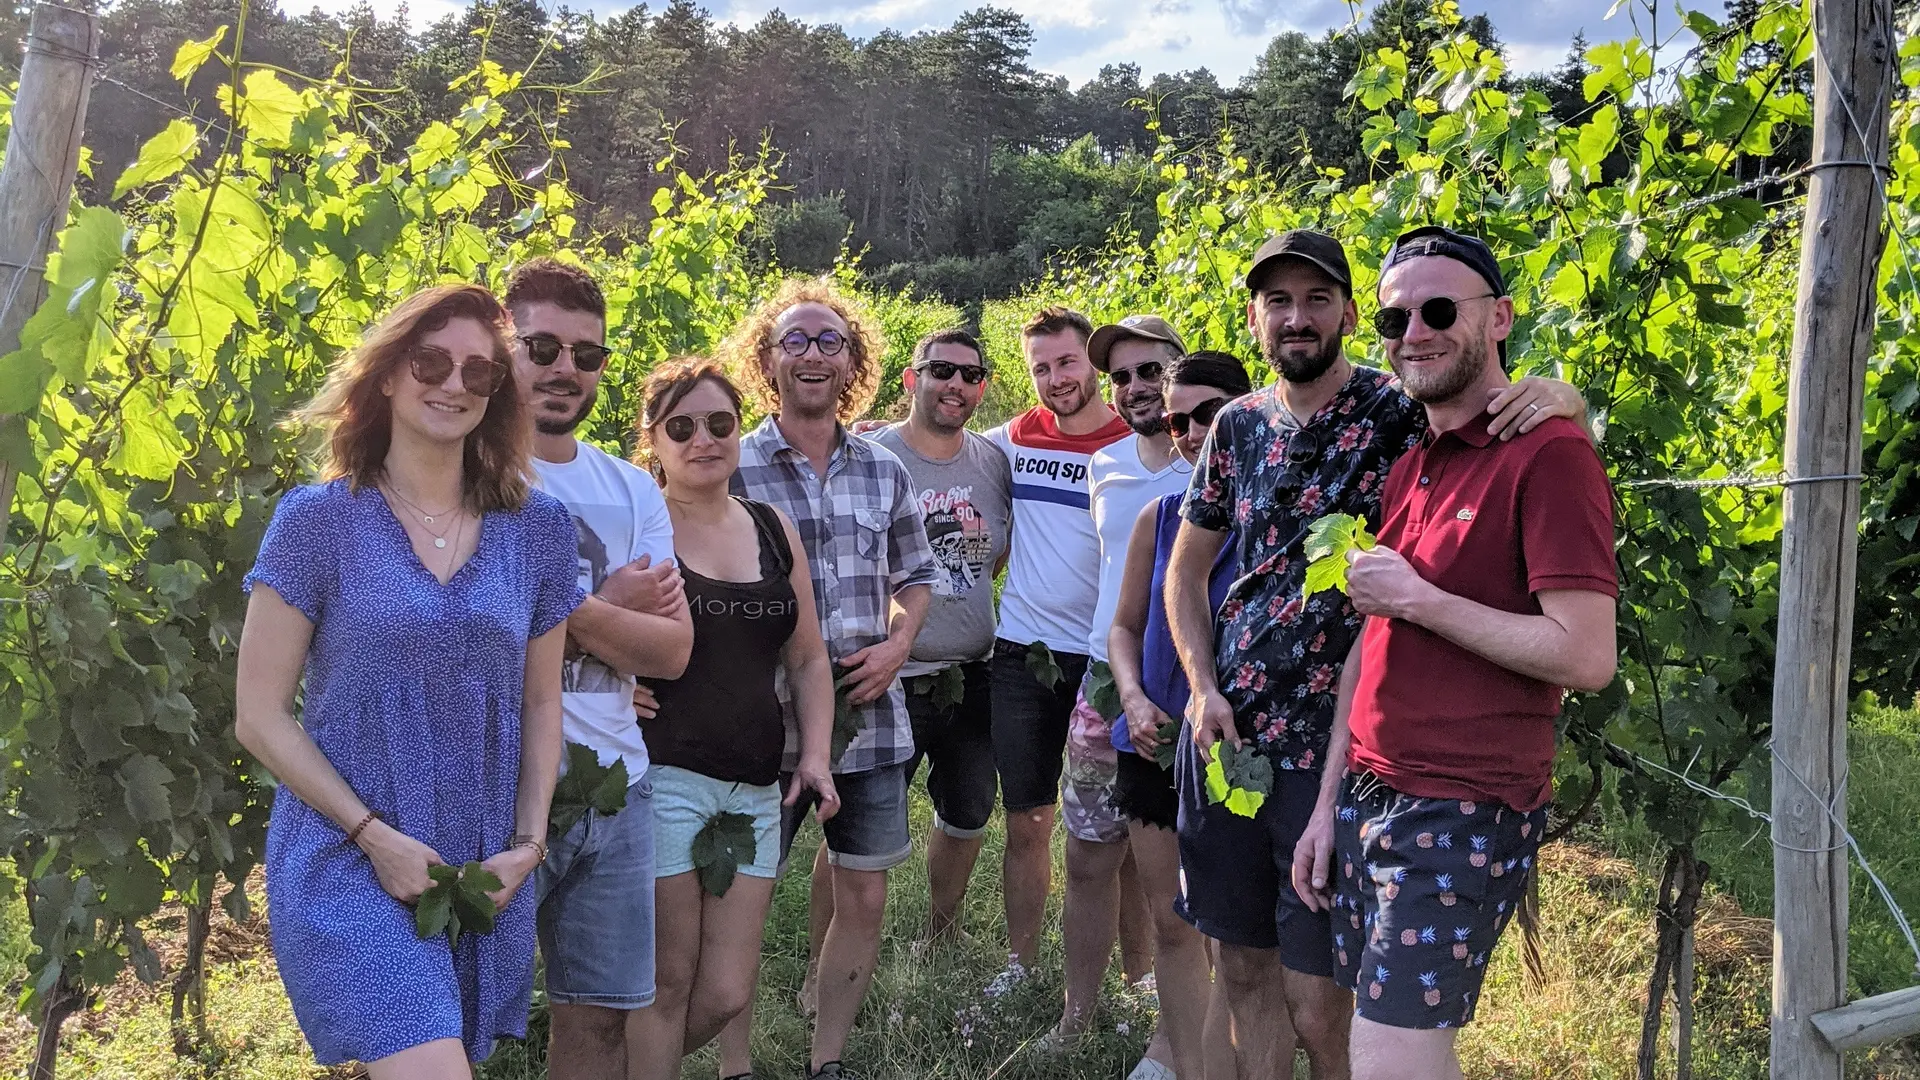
{"x": 1149, "y": 1069}
{"x": 1003, "y": 984}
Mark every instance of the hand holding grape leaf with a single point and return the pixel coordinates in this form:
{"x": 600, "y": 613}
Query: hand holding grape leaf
{"x": 456, "y": 903}
{"x": 1164, "y": 750}
{"x": 1328, "y": 542}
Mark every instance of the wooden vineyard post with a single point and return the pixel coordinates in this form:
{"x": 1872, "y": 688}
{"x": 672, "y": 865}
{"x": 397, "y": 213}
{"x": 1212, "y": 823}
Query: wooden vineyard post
{"x": 1833, "y": 331}
{"x": 36, "y": 180}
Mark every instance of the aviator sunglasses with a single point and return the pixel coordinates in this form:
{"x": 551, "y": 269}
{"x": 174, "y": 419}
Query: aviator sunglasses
{"x": 479, "y": 376}
{"x": 1438, "y": 313}
{"x": 1201, "y": 417}
{"x": 719, "y": 424}
{"x": 942, "y": 370}
{"x": 544, "y": 349}
{"x": 1148, "y": 372}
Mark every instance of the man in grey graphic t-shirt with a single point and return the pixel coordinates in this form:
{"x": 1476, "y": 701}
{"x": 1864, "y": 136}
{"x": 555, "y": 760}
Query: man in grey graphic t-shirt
{"x": 965, "y": 490}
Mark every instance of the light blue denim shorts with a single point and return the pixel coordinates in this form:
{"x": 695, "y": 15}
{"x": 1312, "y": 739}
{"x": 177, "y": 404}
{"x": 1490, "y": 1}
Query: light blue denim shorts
{"x": 683, "y": 800}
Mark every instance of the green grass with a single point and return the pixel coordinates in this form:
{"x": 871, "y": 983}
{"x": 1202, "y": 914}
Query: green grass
{"x": 926, "y": 1018}
{"x": 1883, "y": 805}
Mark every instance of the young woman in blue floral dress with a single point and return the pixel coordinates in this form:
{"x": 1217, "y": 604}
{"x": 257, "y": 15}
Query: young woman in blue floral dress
{"x": 400, "y": 674}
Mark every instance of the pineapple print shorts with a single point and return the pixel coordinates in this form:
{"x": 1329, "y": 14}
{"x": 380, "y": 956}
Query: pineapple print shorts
{"x": 1425, "y": 887}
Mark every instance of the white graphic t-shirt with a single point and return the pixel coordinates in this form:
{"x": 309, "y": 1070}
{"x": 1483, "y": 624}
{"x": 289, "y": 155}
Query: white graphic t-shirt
{"x": 620, "y": 515}
{"x": 1053, "y": 569}
{"x": 1120, "y": 488}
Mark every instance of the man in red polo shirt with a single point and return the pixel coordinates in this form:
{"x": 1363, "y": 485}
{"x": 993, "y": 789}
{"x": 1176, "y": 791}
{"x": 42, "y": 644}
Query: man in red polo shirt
{"x": 1491, "y": 590}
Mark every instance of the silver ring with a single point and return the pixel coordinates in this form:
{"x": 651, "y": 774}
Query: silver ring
{"x": 1533, "y": 408}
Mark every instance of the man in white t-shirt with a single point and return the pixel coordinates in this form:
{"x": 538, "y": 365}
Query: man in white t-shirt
{"x": 596, "y": 884}
{"x": 1046, "y": 605}
{"x": 1123, "y": 477}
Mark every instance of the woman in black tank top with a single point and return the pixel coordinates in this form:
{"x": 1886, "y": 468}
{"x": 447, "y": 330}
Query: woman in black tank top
{"x": 717, "y": 736}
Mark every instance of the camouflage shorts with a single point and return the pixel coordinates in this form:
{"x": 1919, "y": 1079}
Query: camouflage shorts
{"x": 1086, "y": 788}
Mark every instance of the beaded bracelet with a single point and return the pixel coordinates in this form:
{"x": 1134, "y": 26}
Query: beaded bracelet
{"x": 353, "y": 834}
{"x": 521, "y": 840}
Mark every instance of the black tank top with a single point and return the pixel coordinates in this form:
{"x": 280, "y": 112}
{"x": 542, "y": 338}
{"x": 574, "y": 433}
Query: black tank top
{"x": 722, "y": 718}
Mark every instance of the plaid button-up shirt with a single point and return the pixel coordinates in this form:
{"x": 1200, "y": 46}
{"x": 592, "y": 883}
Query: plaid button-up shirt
{"x": 864, "y": 540}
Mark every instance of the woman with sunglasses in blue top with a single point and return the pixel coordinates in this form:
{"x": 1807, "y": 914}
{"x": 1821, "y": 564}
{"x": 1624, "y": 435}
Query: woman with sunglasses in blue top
{"x": 1153, "y": 692}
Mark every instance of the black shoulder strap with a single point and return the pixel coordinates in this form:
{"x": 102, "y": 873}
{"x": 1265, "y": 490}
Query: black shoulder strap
{"x": 773, "y": 538}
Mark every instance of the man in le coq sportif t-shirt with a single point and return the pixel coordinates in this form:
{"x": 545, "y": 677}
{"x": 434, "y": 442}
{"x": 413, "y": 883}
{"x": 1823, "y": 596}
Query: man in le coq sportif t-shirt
{"x": 1048, "y": 601}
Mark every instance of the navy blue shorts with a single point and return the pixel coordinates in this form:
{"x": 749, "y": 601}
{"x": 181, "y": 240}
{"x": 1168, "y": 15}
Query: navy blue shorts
{"x": 1425, "y": 888}
{"x": 1236, "y": 873}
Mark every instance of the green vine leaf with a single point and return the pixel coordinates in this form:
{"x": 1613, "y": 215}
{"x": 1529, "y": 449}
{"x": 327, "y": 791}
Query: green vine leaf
{"x": 586, "y": 785}
{"x": 1242, "y": 779}
{"x": 1169, "y": 734}
{"x": 1329, "y": 539}
{"x": 456, "y": 903}
{"x": 1102, "y": 694}
{"x": 846, "y": 718}
{"x": 192, "y": 54}
{"x": 1044, "y": 667}
{"x": 163, "y": 156}
{"x": 720, "y": 847}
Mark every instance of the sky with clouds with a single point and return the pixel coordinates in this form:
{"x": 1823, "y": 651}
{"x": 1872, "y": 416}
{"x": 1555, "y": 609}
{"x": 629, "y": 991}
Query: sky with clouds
{"x": 1075, "y": 37}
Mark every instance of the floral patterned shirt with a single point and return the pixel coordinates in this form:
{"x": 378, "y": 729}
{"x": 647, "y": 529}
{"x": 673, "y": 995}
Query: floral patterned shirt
{"x": 1268, "y": 478}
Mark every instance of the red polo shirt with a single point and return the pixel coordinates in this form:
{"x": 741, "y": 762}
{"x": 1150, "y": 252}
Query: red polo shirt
{"x": 1495, "y": 522}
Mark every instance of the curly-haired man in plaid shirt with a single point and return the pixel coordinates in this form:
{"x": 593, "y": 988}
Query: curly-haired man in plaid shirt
{"x": 814, "y": 358}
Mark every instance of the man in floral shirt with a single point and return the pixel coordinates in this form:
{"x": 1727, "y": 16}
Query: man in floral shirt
{"x": 1319, "y": 441}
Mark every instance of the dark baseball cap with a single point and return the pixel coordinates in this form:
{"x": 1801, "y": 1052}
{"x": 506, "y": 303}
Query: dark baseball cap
{"x": 1146, "y": 327}
{"x": 1444, "y": 242}
{"x": 1317, "y": 248}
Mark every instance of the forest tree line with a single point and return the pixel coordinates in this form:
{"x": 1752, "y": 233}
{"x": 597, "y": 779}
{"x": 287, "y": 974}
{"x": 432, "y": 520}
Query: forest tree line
{"x": 944, "y": 157}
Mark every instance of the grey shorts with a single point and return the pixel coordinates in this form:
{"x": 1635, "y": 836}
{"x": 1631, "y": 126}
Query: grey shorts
{"x": 596, "y": 908}
{"x": 870, "y": 831}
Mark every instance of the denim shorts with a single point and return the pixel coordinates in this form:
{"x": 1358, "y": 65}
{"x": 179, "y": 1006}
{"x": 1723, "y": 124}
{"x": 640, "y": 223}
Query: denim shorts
{"x": 596, "y": 907}
{"x": 1030, "y": 724}
{"x": 1425, "y": 888}
{"x": 957, "y": 742}
{"x": 870, "y": 831}
{"x": 683, "y": 800}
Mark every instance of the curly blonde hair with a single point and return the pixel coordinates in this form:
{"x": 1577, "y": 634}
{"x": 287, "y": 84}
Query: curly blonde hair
{"x": 743, "y": 348}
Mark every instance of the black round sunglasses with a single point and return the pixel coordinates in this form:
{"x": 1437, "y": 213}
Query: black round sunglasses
{"x": 1439, "y": 313}
{"x": 1201, "y": 415}
{"x": 544, "y": 349}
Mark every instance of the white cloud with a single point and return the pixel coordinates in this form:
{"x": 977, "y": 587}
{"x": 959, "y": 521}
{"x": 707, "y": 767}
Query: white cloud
{"x": 1075, "y": 38}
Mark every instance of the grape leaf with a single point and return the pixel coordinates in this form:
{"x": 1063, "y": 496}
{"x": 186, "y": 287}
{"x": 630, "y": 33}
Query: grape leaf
{"x": 949, "y": 687}
{"x": 1041, "y": 663}
{"x": 721, "y": 845}
{"x": 1102, "y": 693}
{"x": 944, "y": 689}
{"x": 472, "y": 907}
{"x": 1167, "y": 733}
{"x": 586, "y": 785}
{"x": 1328, "y": 541}
{"x": 1242, "y": 779}
{"x": 433, "y": 912}
{"x": 846, "y": 719}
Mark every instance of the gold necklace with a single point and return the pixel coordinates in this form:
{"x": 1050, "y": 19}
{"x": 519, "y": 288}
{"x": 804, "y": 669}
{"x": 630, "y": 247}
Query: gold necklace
{"x": 426, "y": 519}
